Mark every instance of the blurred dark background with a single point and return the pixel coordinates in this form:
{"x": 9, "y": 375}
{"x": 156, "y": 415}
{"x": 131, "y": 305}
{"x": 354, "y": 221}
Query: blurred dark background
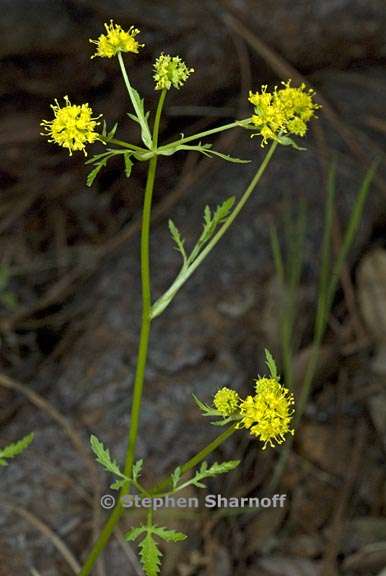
{"x": 69, "y": 285}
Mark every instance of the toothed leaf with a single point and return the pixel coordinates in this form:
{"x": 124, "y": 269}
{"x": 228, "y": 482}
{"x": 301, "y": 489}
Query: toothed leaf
{"x": 137, "y": 469}
{"x": 103, "y": 457}
{"x": 169, "y": 535}
{"x": 133, "y": 533}
{"x": 150, "y": 555}
{"x": 270, "y": 362}
{"x": 15, "y": 449}
{"x": 179, "y": 241}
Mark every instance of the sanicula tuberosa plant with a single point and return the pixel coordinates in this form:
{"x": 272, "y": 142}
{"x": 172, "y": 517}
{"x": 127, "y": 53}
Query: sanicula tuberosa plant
{"x": 267, "y": 413}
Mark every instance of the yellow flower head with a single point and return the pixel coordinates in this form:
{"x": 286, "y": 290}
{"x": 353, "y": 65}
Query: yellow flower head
{"x": 72, "y": 127}
{"x": 226, "y": 401}
{"x": 116, "y": 40}
{"x": 284, "y": 111}
{"x": 268, "y": 413}
{"x": 170, "y": 71}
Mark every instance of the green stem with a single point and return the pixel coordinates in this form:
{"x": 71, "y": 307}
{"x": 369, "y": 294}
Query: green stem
{"x": 236, "y": 124}
{"x": 146, "y": 297}
{"x": 196, "y": 459}
{"x": 142, "y": 349}
{"x": 162, "y": 303}
{"x": 123, "y": 144}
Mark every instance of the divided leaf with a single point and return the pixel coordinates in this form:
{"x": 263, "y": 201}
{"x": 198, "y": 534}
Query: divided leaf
{"x": 137, "y": 469}
{"x": 141, "y": 117}
{"x": 150, "y": 555}
{"x": 270, "y": 362}
{"x": 214, "y": 470}
{"x": 211, "y": 222}
{"x": 179, "y": 241}
{"x": 103, "y": 457}
{"x": 94, "y": 173}
{"x": 176, "y": 477}
{"x": 169, "y": 535}
{"x": 204, "y": 472}
{"x": 133, "y": 533}
{"x": 15, "y": 449}
{"x": 287, "y": 141}
{"x": 128, "y": 164}
{"x": 118, "y": 484}
{"x": 205, "y": 408}
{"x": 108, "y": 134}
{"x": 99, "y": 161}
{"x": 210, "y": 412}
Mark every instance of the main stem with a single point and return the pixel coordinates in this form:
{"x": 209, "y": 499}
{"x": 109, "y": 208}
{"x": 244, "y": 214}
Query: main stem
{"x": 142, "y": 347}
{"x": 146, "y": 297}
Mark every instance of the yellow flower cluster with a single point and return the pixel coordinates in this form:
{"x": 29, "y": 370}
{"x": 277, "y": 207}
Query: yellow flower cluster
{"x": 267, "y": 414}
{"x": 286, "y": 110}
{"x": 73, "y": 126}
{"x": 170, "y": 71}
{"x": 116, "y": 40}
{"x": 226, "y": 401}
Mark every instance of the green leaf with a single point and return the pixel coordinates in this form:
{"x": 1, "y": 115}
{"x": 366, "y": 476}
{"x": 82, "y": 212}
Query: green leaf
{"x": 137, "y": 469}
{"x": 141, "y": 117}
{"x": 287, "y": 141}
{"x": 209, "y": 472}
{"x": 205, "y": 408}
{"x": 211, "y": 223}
{"x": 97, "y": 157}
{"x": 133, "y": 533}
{"x": 15, "y": 449}
{"x": 128, "y": 163}
{"x": 222, "y": 211}
{"x": 112, "y": 132}
{"x": 214, "y": 470}
{"x": 270, "y": 362}
{"x": 223, "y": 422}
{"x": 222, "y": 468}
{"x": 118, "y": 484}
{"x": 108, "y": 134}
{"x": 150, "y": 555}
{"x": 169, "y": 535}
{"x": 103, "y": 457}
{"x": 94, "y": 173}
{"x": 179, "y": 241}
{"x": 176, "y": 476}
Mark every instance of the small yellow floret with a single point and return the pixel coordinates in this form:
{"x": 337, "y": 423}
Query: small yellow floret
{"x": 116, "y": 40}
{"x": 284, "y": 111}
{"x": 170, "y": 71}
{"x": 226, "y": 401}
{"x": 268, "y": 413}
{"x": 72, "y": 127}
